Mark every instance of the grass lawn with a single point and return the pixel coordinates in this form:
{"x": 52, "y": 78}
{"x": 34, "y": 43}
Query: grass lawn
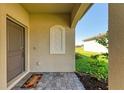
{"x": 81, "y": 51}
{"x": 91, "y": 63}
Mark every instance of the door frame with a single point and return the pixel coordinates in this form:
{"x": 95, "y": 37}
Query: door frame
{"x": 25, "y": 50}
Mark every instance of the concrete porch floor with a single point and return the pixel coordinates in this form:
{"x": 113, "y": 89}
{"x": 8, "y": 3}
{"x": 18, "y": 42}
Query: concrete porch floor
{"x": 54, "y": 81}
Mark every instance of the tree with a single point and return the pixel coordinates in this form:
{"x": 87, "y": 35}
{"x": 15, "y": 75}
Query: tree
{"x": 103, "y": 40}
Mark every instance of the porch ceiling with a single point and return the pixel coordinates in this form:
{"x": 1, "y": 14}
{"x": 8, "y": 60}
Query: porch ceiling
{"x": 49, "y": 8}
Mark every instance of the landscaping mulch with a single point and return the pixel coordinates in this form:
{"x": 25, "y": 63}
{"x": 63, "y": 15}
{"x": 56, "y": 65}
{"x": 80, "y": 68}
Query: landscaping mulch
{"x": 92, "y": 83}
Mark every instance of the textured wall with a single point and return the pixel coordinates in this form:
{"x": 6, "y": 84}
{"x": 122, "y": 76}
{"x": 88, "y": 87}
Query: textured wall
{"x": 116, "y": 46}
{"x": 40, "y": 44}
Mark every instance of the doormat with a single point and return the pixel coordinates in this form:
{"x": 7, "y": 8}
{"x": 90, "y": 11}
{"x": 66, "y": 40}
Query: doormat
{"x": 32, "y": 81}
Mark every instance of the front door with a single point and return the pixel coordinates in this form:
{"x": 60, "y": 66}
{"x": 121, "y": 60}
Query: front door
{"x": 15, "y": 49}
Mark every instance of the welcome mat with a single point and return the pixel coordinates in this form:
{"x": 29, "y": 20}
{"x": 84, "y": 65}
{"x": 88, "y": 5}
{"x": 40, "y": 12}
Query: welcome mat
{"x": 32, "y": 81}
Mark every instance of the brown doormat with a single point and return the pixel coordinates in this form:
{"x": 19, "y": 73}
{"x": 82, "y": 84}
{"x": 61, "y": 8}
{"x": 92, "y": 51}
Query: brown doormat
{"x": 32, "y": 81}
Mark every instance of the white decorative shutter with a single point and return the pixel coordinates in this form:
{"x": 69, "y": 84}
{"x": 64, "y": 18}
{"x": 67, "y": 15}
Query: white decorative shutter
{"x": 57, "y": 40}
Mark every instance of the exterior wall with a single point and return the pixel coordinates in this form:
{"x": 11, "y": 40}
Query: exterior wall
{"x": 116, "y": 46}
{"x": 40, "y": 58}
{"x": 93, "y": 46}
{"x": 39, "y": 41}
{"x": 18, "y": 13}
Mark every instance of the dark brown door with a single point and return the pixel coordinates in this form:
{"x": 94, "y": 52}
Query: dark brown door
{"x": 15, "y": 50}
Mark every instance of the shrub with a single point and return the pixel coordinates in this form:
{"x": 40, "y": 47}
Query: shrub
{"x": 78, "y": 55}
{"x": 96, "y": 66}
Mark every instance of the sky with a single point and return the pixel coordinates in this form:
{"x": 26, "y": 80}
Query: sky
{"x": 95, "y": 21}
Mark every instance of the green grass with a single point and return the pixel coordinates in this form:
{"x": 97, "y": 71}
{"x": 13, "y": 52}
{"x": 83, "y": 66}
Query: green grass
{"x": 91, "y": 63}
{"x": 81, "y": 51}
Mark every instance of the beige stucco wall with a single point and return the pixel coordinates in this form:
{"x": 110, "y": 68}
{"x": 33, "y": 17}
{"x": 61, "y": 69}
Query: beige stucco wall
{"x": 18, "y": 13}
{"x": 116, "y": 46}
{"x": 39, "y": 38}
{"x": 40, "y": 48}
